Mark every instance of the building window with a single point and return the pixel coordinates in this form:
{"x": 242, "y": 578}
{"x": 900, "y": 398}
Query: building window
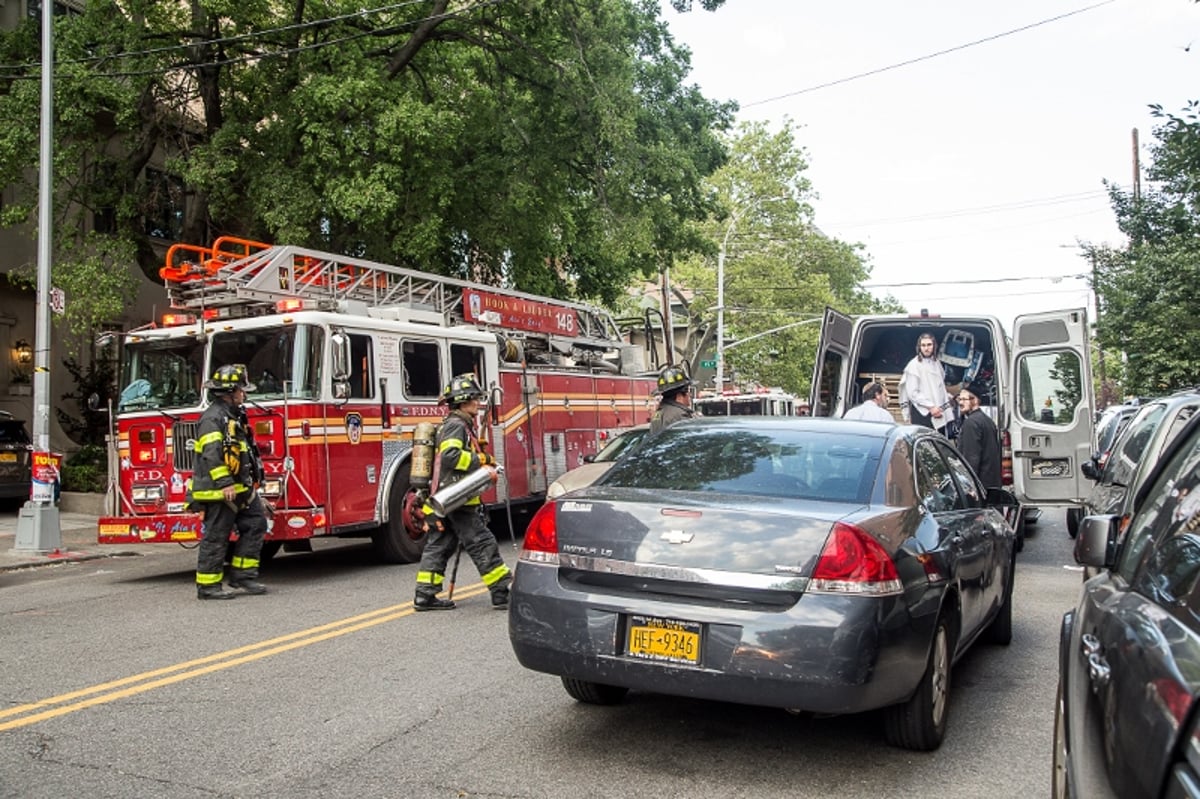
{"x": 164, "y": 205}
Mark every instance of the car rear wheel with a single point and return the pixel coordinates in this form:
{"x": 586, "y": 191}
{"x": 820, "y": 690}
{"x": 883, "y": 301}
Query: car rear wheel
{"x": 1000, "y": 630}
{"x": 593, "y": 693}
{"x": 920, "y": 723}
{"x": 1073, "y": 515}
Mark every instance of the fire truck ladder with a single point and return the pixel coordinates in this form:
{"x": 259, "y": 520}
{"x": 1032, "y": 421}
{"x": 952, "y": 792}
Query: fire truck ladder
{"x": 253, "y": 277}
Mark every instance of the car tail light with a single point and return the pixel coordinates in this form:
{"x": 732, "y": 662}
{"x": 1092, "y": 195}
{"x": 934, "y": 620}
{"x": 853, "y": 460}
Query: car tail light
{"x": 541, "y": 536}
{"x": 1006, "y": 460}
{"x": 853, "y": 562}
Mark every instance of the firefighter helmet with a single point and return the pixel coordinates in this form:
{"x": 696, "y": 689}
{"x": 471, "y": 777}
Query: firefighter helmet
{"x": 229, "y": 377}
{"x": 462, "y": 388}
{"x": 671, "y": 379}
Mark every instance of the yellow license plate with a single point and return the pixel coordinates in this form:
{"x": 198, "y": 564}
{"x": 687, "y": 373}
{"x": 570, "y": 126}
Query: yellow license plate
{"x": 669, "y": 640}
{"x": 8, "y": 457}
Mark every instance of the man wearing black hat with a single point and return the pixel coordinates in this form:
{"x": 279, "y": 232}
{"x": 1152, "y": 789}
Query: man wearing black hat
{"x": 978, "y": 439}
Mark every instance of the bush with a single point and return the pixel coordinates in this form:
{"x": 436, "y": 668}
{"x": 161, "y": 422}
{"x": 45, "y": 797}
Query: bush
{"x": 86, "y": 470}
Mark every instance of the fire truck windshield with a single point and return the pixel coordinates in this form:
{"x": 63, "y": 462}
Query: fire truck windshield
{"x": 162, "y": 373}
{"x": 275, "y": 356}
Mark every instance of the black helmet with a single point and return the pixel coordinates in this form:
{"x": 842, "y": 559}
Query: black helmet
{"x": 462, "y": 388}
{"x": 672, "y": 379}
{"x": 229, "y": 377}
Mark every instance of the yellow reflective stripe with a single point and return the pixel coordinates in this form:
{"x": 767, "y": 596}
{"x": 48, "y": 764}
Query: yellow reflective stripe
{"x": 244, "y": 447}
{"x": 208, "y": 579}
{"x": 243, "y": 563}
{"x": 448, "y": 443}
{"x": 495, "y": 575}
{"x": 464, "y": 462}
{"x": 428, "y": 510}
{"x": 207, "y": 438}
{"x": 429, "y": 578}
{"x": 217, "y": 472}
{"x": 208, "y": 493}
{"x": 473, "y": 501}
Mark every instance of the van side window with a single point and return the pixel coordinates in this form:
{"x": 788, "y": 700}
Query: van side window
{"x": 422, "y": 369}
{"x": 1049, "y": 387}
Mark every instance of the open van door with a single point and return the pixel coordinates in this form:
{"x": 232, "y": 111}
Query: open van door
{"x": 829, "y": 370}
{"x": 1052, "y": 403}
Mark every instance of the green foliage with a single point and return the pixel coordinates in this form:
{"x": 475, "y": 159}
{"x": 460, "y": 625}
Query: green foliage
{"x": 1149, "y": 290}
{"x": 779, "y": 268}
{"x": 86, "y": 470}
{"x": 554, "y": 147}
{"x": 98, "y": 378}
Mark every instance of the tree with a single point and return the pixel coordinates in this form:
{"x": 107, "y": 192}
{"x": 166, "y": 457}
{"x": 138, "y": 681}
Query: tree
{"x": 550, "y": 146}
{"x": 780, "y": 268}
{"x": 1149, "y": 290}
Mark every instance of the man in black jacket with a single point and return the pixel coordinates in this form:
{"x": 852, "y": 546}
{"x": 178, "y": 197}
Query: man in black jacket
{"x": 673, "y": 385}
{"x": 222, "y": 487}
{"x": 978, "y": 439}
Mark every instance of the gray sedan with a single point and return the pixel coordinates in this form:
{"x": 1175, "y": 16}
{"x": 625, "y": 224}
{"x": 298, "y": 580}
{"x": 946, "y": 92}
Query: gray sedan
{"x": 811, "y": 564}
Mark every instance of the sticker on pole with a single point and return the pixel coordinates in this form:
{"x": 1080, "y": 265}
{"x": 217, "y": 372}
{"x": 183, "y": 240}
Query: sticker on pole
{"x": 46, "y": 467}
{"x": 58, "y": 301}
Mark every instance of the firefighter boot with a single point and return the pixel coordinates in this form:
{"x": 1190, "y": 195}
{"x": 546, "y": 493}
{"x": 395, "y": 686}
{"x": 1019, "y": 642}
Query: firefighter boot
{"x": 214, "y": 591}
{"x": 500, "y": 599}
{"x": 247, "y": 585}
{"x": 423, "y": 602}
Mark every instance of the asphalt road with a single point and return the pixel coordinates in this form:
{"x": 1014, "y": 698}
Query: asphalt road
{"x": 116, "y": 682}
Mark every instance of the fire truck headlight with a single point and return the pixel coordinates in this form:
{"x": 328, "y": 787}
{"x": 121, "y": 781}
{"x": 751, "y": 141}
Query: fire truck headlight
{"x": 271, "y": 487}
{"x": 148, "y": 493}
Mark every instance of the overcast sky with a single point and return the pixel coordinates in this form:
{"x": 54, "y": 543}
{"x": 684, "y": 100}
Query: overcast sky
{"x": 983, "y": 163}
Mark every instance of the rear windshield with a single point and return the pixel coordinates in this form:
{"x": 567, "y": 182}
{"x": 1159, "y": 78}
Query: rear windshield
{"x": 13, "y": 433}
{"x": 619, "y": 446}
{"x": 773, "y": 462}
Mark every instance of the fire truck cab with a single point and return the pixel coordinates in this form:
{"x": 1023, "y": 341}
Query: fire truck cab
{"x": 347, "y": 357}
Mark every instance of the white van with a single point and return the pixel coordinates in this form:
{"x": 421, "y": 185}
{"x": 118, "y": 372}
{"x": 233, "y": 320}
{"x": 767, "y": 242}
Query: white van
{"x": 1036, "y": 387}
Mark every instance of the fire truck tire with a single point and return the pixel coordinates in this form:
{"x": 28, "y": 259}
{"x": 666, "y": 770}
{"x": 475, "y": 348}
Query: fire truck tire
{"x": 393, "y": 541}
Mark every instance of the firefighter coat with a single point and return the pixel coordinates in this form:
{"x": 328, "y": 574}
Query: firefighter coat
{"x": 459, "y": 450}
{"x": 223, "y": 455}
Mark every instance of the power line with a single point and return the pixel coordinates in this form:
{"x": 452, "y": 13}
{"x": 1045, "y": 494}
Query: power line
{"x": 927, "y": 57}
{"x": 1019, "y": 205}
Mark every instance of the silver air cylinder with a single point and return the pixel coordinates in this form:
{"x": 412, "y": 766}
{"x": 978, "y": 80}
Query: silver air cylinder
{"x": 422, "y": 454}
{"x": 454, "y": 496}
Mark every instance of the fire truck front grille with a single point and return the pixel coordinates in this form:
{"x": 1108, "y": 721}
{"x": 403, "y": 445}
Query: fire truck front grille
{"x": 184, "y": 439}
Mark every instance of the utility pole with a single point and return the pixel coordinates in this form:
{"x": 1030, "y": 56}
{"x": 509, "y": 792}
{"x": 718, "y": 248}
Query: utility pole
{"x": 38, "y": 526}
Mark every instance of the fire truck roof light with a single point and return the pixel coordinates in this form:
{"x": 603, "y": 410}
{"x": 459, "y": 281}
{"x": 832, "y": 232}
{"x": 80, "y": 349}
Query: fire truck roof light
{"x": 173, "y": 319}
{"x": 290, "y": 304}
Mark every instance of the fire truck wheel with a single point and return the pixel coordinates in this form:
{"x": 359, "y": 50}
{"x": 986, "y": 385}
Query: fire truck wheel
{"x": 393, "y": 540}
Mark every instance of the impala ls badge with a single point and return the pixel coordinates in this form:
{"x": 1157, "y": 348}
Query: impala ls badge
{"x": 677, "y": 537}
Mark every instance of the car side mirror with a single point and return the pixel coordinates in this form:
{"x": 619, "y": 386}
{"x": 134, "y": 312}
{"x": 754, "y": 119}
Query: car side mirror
{"x": 1088, "y": 468}
{"x": 1096, "y": 542}
{"x": 1000, "y": 497}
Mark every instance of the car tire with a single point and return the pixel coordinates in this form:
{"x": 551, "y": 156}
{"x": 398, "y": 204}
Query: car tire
{"x": 1059, "y": 787}
{"x": 1073, "y": 515}
{"x": 593, "y": 693}
{"x": 920, "y": 723}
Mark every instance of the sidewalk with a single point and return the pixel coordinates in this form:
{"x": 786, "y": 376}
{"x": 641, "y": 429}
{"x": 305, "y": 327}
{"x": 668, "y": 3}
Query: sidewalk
{"x": 78, "y": 525}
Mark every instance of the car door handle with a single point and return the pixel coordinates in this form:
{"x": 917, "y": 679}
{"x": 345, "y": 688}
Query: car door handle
{"x": 1090, "y": 645}
{"x": 1098, "y": 668}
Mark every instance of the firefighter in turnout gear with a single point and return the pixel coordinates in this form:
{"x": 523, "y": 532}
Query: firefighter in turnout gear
{"x": 673, "y": 385}
{"x": 458, "y": 454}
{"x": 223, "y": 488}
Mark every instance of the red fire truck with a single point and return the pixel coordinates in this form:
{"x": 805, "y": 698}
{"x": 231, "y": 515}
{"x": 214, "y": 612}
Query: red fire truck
{"x": 348, "y": 356}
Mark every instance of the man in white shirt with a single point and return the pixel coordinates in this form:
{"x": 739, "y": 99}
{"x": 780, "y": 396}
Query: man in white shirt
{"x": 873, "y": 407}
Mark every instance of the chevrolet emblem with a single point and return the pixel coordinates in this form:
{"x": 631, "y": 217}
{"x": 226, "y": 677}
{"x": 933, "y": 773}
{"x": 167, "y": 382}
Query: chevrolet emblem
{"x": 677, "y": 537}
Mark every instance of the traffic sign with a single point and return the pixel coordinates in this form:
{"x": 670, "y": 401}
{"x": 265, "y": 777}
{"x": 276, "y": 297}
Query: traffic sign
{"x": 708, "y": 364}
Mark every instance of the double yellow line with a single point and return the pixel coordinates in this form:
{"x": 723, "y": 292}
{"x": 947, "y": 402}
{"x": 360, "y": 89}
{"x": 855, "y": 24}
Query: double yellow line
{"x": 24, "y": 715}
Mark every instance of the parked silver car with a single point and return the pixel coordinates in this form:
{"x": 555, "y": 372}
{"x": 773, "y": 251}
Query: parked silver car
{"x": 597, "y": 464}
{"x": 809, "y": 564}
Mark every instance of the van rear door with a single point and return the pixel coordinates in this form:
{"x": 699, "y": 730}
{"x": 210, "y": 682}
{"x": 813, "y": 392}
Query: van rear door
{"x": 831, "y": 365}
{"x": 1052, "y": 403}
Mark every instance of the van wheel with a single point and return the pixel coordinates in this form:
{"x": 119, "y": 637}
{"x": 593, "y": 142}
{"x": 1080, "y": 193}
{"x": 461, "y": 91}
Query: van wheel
{"x": 400, "y": 539}
{"x": 920, "y": 723}
{"x": 593, "y": 693}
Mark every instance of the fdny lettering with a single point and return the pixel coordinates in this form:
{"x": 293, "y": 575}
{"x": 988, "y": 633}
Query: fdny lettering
{"x": 140, "y": 475}
{"x": 423, "y": 410}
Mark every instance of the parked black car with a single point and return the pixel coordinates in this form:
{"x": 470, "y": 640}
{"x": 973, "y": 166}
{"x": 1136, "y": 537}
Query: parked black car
{"x": 1131, "y": 456}
{"x": 1126, "y": 720}
{"x": 16, "y": 471}
{"x": 810, "y": 564}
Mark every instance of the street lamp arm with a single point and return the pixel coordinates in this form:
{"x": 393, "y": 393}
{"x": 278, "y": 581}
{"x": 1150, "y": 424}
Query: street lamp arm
{"x": 772, "y": 331}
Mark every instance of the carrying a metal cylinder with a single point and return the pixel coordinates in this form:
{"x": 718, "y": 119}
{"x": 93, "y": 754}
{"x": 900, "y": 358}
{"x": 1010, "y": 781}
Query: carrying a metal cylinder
{"x": 424, "y": 437}
{"x": 452, "y": 497}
